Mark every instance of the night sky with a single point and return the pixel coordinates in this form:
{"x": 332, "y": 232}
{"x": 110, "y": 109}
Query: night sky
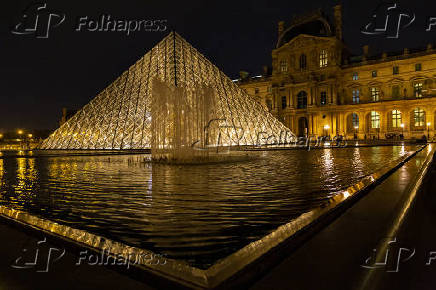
{"x": 40, "y": 76}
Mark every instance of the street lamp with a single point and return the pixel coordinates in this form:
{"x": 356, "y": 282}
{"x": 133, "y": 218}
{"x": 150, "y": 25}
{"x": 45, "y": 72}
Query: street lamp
{"x": 428, "y": 130}
{"x": 30, "y": 136}
{"x": 20, "y": 132}
{"x": 326, "y": 128}
{"x": 1, "y": 135}
{"x": 402, "y": 129}
{"x": 355, "y": 131}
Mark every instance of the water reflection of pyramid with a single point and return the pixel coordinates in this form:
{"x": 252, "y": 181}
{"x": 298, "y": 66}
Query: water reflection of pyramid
{"x": 119, "y": 117}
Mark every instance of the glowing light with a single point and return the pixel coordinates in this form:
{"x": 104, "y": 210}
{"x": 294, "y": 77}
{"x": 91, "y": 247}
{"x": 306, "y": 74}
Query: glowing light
{"x": 20, "y": 132}
{"x": 402, "y": 125}
{"x": 30, "y": 135}
{"x": 346, "y": 194}
{"x": 356, "y": 127}
{"x": 326, "y": 127}
{"x": 428, "y": 124}
{"x": 1, "y": 135}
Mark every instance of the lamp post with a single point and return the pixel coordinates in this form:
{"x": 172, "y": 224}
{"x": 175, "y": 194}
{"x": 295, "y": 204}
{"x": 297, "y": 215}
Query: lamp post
{"x": 402, "y": 129}
{"x": 428, "y": 130}
{"x": 326, "y": 129}
{"x": 355, "y": 131}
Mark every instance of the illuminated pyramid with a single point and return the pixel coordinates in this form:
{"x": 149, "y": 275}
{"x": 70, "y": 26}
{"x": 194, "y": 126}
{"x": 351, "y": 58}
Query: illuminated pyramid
{"x": 120, "y": 116}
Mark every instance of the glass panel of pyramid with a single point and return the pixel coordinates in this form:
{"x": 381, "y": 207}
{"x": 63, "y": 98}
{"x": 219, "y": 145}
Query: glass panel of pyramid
{"x": 119, "y": 117}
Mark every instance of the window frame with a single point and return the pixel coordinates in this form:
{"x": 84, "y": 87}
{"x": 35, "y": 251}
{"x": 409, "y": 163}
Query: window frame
{"x": 356, "y": 96}
{"x": 323, "y": 58}
{"x": 375, "y": 120}
{"x": 375, "y": 94}
{"x": 397, "y": 118}
{"x": 418, "y": 117}
{"x": 303, "y": 62}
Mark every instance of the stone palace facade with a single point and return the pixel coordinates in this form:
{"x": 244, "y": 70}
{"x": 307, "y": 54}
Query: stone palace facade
{"x": 317, "y": 88}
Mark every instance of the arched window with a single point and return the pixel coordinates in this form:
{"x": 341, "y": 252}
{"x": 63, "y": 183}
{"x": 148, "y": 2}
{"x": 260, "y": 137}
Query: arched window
{"x": 419, "y": 117}
{"x": 396, "y": 119}
{"x": 323, "y": 58}
{"x": 303, "y": 61}
{"x": 375, "y": 120}
{"x": 355, "y": 121}
{"x": 302, "y": 100}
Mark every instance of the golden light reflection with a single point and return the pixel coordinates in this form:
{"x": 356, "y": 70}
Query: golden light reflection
{"x": 328, "y": 160}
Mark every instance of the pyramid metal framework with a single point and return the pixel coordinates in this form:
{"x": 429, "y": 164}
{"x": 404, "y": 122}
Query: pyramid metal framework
{"x": 120, "y": 116}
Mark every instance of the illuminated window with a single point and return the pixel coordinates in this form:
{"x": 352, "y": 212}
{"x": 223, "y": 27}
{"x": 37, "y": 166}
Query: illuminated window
{"x": 283, "y": 102}
{"x": 396, "y": 119}
{"x": 323, "y": 58}
{"x": 356, "y": 96}
{"x": 419, "y": 117}
{"x": 323, "y": 98}
{"x": 375, "y": 120}
{"x": 375, "y": 94}
{"x": 355, "y": 76}
{"x": 417, "y": 88}
{"x": 418, "y": 67}
{"x": 395, "y": 91}
{"x": 302, "y": 100}
{"x": 355, "y": 119}
{"x": 303, "y": 62}
{"x": 283, "y": 65}
{"x": 396, "y": 70}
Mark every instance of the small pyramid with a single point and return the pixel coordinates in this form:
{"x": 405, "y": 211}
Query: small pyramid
{"x": 119, "y": 117}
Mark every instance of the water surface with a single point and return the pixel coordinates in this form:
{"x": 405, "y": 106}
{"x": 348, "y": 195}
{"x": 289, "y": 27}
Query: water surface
{"x": 196, "y": 213}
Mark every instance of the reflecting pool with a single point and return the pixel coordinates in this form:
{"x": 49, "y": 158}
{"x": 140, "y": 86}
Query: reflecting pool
{"x": 195, "y": 213}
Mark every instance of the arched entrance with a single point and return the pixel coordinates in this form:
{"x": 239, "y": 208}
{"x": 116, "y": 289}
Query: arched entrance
{"x": 302, "y": 126}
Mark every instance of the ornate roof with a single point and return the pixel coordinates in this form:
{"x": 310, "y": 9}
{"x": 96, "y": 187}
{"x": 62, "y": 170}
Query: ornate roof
{"x": 315, "y": 23}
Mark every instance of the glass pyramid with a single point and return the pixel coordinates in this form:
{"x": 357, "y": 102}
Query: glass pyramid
{"x": 120, "y": 116}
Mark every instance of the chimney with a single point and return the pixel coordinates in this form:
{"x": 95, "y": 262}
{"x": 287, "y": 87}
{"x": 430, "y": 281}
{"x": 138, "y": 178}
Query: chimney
{"x": 281, "y": 27}
{"x": 365, "y": 52}
{"x": 265, "y": 70}
{"x": 338, "y": 21}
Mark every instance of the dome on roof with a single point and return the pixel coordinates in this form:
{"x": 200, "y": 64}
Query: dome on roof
{"x": 316, "y": 27}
